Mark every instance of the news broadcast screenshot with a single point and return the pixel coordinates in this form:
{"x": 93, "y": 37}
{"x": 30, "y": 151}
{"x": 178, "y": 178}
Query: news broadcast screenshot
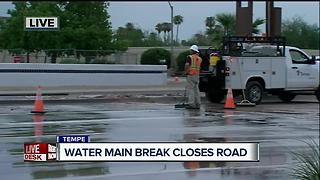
{"x": 159, "y": 90}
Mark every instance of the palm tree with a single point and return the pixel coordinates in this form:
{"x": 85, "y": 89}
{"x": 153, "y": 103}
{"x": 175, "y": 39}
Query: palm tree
{"x": 166, "y": 29}
{"x": 255, "y": 25}
{"x": 210, "y": 23}
{"x": 177, "y": 20}
{"x": 130, "y": 26}
{"x": 159, "y": 28}
{"x": 227, "y": 21}
{"x": 162, "y": 26}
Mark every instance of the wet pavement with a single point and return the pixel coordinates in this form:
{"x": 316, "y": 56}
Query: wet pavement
{"x": 279, "y": 127}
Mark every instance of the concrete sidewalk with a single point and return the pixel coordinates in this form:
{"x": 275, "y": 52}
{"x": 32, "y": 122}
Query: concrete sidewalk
{"x": 172, "y": 86}
{"x": 173, "y": 89}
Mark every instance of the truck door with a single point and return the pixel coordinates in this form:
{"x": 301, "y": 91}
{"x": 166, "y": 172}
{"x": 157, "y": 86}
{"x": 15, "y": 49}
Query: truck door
{"x": 300, "y": 73}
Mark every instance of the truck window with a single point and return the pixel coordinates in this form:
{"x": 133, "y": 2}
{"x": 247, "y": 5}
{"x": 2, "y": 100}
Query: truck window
{"x": 264, "y": 51}
{"x": 298, "y": 58}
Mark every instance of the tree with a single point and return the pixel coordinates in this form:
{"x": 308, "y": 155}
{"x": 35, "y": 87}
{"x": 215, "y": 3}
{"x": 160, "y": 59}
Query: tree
{"x": 130, "y": 34}
{"x": 177, "y": 20}
{"x": 166, "y": 29}
{"x": 159, "y": 28}
{"x": 169, "y": 29}
{"x": 86, "y": 30}
{"x": 225, "y": 26}
{"x": 39, "y": 39}
{"x": 162, "y": 27}
{"x": 227, "y": 21}
{"x": 257, "y": 22}
{"x": 13, "y": 35}
{"x": 210, "y": 24}
{"x": 216, "y": 37}
{"x": 152, "y": 39}
{"x": 301, "y": 34}
{"x": 79, "y": 28}
{"x": 199, "y": 39}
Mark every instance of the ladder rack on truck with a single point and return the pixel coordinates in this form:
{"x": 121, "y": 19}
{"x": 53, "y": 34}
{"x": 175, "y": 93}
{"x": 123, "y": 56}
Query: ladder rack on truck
{"x": 233, "y": 45}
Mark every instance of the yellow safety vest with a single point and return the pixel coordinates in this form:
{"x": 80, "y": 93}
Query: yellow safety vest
{"x": 214, "y": 60}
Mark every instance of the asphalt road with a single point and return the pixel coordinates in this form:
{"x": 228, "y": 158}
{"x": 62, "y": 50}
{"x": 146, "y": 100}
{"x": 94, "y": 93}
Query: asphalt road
{"x": 278, "y": 127}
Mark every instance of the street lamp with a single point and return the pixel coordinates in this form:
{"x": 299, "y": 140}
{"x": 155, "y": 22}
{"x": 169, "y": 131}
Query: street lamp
{"x": 173, "y": 62}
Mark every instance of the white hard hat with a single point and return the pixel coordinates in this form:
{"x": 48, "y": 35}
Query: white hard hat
{"x": 194, "y": 48}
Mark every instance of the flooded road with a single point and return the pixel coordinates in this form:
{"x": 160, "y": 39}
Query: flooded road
{"x": 278, "y": 127}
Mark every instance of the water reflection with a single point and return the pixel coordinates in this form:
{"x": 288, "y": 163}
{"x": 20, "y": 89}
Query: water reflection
{"x": 37, "y": 123}
{"x": 99, "y": 168}
{"x": 193, "y": 166}
{"x": 269, "y": 156}
{"x": 191, "y": 118}
{"x": 228, "y": 114}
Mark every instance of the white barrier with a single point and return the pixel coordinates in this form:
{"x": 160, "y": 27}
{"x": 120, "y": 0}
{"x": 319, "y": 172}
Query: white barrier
{"x": 33, "y": 74}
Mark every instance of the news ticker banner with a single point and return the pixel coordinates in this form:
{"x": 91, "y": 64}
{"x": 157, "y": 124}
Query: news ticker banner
{"x": 142, "y": 152}
{"x": 158, "y": 152}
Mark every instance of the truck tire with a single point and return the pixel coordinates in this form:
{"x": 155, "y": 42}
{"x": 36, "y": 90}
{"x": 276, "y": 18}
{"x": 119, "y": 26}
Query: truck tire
{"x": 318, "y": 94}
{"x": 254, "y": 92}
{"x": 215, "y": 95}
{"x": 286, "y": 96}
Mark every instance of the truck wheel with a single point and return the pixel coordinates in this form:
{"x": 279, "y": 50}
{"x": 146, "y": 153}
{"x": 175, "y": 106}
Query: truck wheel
{"x": 286, "y": 96}
{"x": 318, "y": 94}
{"x": 215, "y": 95}
{"x": 254, "y": 92}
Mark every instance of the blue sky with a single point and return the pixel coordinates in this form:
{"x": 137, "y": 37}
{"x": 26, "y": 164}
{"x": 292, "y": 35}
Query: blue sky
{"x": 147, "y": 14}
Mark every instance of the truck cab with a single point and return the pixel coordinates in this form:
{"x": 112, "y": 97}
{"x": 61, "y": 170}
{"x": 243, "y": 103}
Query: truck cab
{"x": 302, "y": 70}
{"x": 252, "y": 66}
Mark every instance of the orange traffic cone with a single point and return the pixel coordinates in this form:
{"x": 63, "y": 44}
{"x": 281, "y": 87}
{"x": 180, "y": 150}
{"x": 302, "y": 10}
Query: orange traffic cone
{"x": 38, "y": 104}
{"x": 229, "y": 104}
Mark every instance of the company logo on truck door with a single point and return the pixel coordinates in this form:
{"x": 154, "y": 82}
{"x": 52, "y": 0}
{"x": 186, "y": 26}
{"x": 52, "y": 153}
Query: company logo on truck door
{"x": 299, "y": 73}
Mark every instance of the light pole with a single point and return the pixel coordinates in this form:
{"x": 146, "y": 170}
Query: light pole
{"x": 173, "y": 62}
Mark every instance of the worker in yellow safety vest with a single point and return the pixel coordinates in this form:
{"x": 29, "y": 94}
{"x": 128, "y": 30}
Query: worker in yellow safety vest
{"x": 214, "y": 58}
{"x": 192, "y": 70}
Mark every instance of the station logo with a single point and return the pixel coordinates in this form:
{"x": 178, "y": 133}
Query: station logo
{"x": 41, "y": 23}
{"x": 52, "y": 152}
{"x": 40, "y": 152}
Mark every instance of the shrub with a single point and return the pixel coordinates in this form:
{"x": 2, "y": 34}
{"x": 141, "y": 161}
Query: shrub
{"x": 181, "y": 60}
{"x": 308, "y": 167}
{"x": 154, "y": 55}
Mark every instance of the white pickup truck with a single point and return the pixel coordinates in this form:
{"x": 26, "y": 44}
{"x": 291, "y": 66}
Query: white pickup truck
{"x": 276, "y": 69}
